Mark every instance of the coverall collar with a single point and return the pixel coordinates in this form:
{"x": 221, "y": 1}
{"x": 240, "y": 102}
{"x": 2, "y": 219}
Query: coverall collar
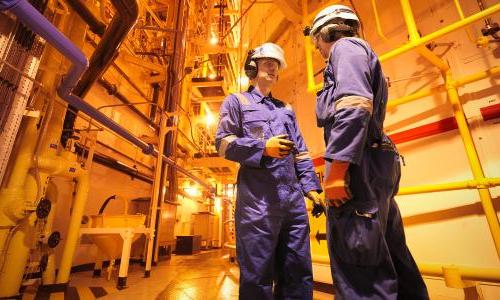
{"x": 257, "y": 96}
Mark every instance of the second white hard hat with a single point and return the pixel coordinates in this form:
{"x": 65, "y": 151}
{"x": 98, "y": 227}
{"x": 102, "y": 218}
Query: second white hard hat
{"x": 332, "y": 12}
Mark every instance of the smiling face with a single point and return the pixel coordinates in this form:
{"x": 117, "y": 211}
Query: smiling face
{"x": 267, "y": 70}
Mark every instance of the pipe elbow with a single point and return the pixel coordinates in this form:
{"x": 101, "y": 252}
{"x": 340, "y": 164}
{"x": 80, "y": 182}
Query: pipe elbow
{"x": 149, "y": 149}
{"x": 8, "y": 4}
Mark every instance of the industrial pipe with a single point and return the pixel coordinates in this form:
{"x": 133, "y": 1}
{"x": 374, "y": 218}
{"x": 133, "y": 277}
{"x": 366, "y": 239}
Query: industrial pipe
{"x": 37, "y": 22}
{"x": 73, "y": 233}
{"x": 16, "y": 257}
{"x": 127, "y": 12}
{"x": 95, "y": 25}
{"x": 156, "y": 193}
{"x": 49, "y": 274}
{"x": 112, "y": 90}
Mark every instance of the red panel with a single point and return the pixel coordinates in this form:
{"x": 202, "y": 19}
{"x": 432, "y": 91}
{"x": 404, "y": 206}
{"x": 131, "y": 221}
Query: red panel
{"x": 490, "y": 112}
{"x": 424, "y": 130}
{"x": 318, "y": 161}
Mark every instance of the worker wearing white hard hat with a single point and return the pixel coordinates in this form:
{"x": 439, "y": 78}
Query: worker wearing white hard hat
{"x": 272, "y": 229}
{"x": 366, "y": 242}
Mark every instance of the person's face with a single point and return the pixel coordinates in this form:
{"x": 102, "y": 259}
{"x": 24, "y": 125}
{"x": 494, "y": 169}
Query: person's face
{"x": 267, "y": 69}
{"x": 322, "y": 46}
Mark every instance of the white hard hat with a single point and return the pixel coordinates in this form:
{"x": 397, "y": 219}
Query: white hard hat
{"x": 330, "y": 13}
{"x": 270, "y": 50}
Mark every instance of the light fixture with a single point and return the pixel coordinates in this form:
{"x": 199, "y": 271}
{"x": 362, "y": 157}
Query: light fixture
{"x": 213, "y": 40}
{"x": 217, "y": 205}
{"x": 192, "y": 191}
{"x": 212, "y": 76}
{"x": 209, "y": 119}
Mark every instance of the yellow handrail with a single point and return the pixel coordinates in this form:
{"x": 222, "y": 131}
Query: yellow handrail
{"x": 461, "y": 15}
{"x": 450, "y": 28}
{"x": 458, "y": 83}
{"x": 429, "y": 269}
{"x": 312, "y": 86}
{"x": 451, "y": 186}
{"x": 416, "y": 42}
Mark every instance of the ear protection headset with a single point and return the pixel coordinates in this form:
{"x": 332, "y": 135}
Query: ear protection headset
{"x": 250, "y": 65}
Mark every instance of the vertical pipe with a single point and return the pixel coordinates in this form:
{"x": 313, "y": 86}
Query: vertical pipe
{"x": 153, "y": 108}
{"x": 474, "y": 162}
{"x": 17, "y": 247}
{"x": 49, "y": 275}
{"x": 16, "y": 257}
{"x": 77, "y": 210}
{"x": 410, "y": 21}
{"x": 415, "y": 35}
{"x": 156, "y": 191}
{"x": 461, "y": 15}
{"x": 377, "y": 21}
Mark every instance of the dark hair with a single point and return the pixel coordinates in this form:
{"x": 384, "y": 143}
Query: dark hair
{"x": 338, "y": 28}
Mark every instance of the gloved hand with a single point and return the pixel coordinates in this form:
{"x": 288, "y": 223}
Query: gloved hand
{"x": 337, "y": 190}
{"x": 319, "y": 206}
{"x": 278, "y": 146}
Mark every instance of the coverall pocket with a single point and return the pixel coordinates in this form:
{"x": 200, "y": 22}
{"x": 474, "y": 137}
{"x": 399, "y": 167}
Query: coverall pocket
{"x": 255, "y": 123}
{"x": 357, "y": 237}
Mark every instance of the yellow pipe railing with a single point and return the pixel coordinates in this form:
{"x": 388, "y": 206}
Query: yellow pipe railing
{"x": 479, "y": 182}
{"x": 474, "y": 162}
{"x": 313, "y": 87}
{"x": 460, "y": 82}
{"x": 466, "y": 272}
{"x": 462, "y": 16}
{"x": 377, "y": 21}
{"x": 445, "y": 30}
{"x": 451, "y": 186}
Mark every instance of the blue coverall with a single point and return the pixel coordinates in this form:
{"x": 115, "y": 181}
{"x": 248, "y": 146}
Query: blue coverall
{"x": 272, "y": 227}
{"x": 366, "y": 241}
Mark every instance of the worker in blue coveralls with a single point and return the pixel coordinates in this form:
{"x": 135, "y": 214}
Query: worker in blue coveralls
{"x": 366, "y": 242}
{"x": 272, "y": 229}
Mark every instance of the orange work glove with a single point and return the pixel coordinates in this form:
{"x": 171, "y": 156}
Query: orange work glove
{"x": 278, "y": 146}
{"x": 337, "y": 190}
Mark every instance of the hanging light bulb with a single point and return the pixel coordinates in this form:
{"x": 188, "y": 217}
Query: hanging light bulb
{"x": 209, "y": 119}
{"x": 213, "y": 40}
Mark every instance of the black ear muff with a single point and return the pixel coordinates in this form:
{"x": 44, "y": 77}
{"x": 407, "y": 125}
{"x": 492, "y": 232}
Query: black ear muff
{"x": 250, "y": 65}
